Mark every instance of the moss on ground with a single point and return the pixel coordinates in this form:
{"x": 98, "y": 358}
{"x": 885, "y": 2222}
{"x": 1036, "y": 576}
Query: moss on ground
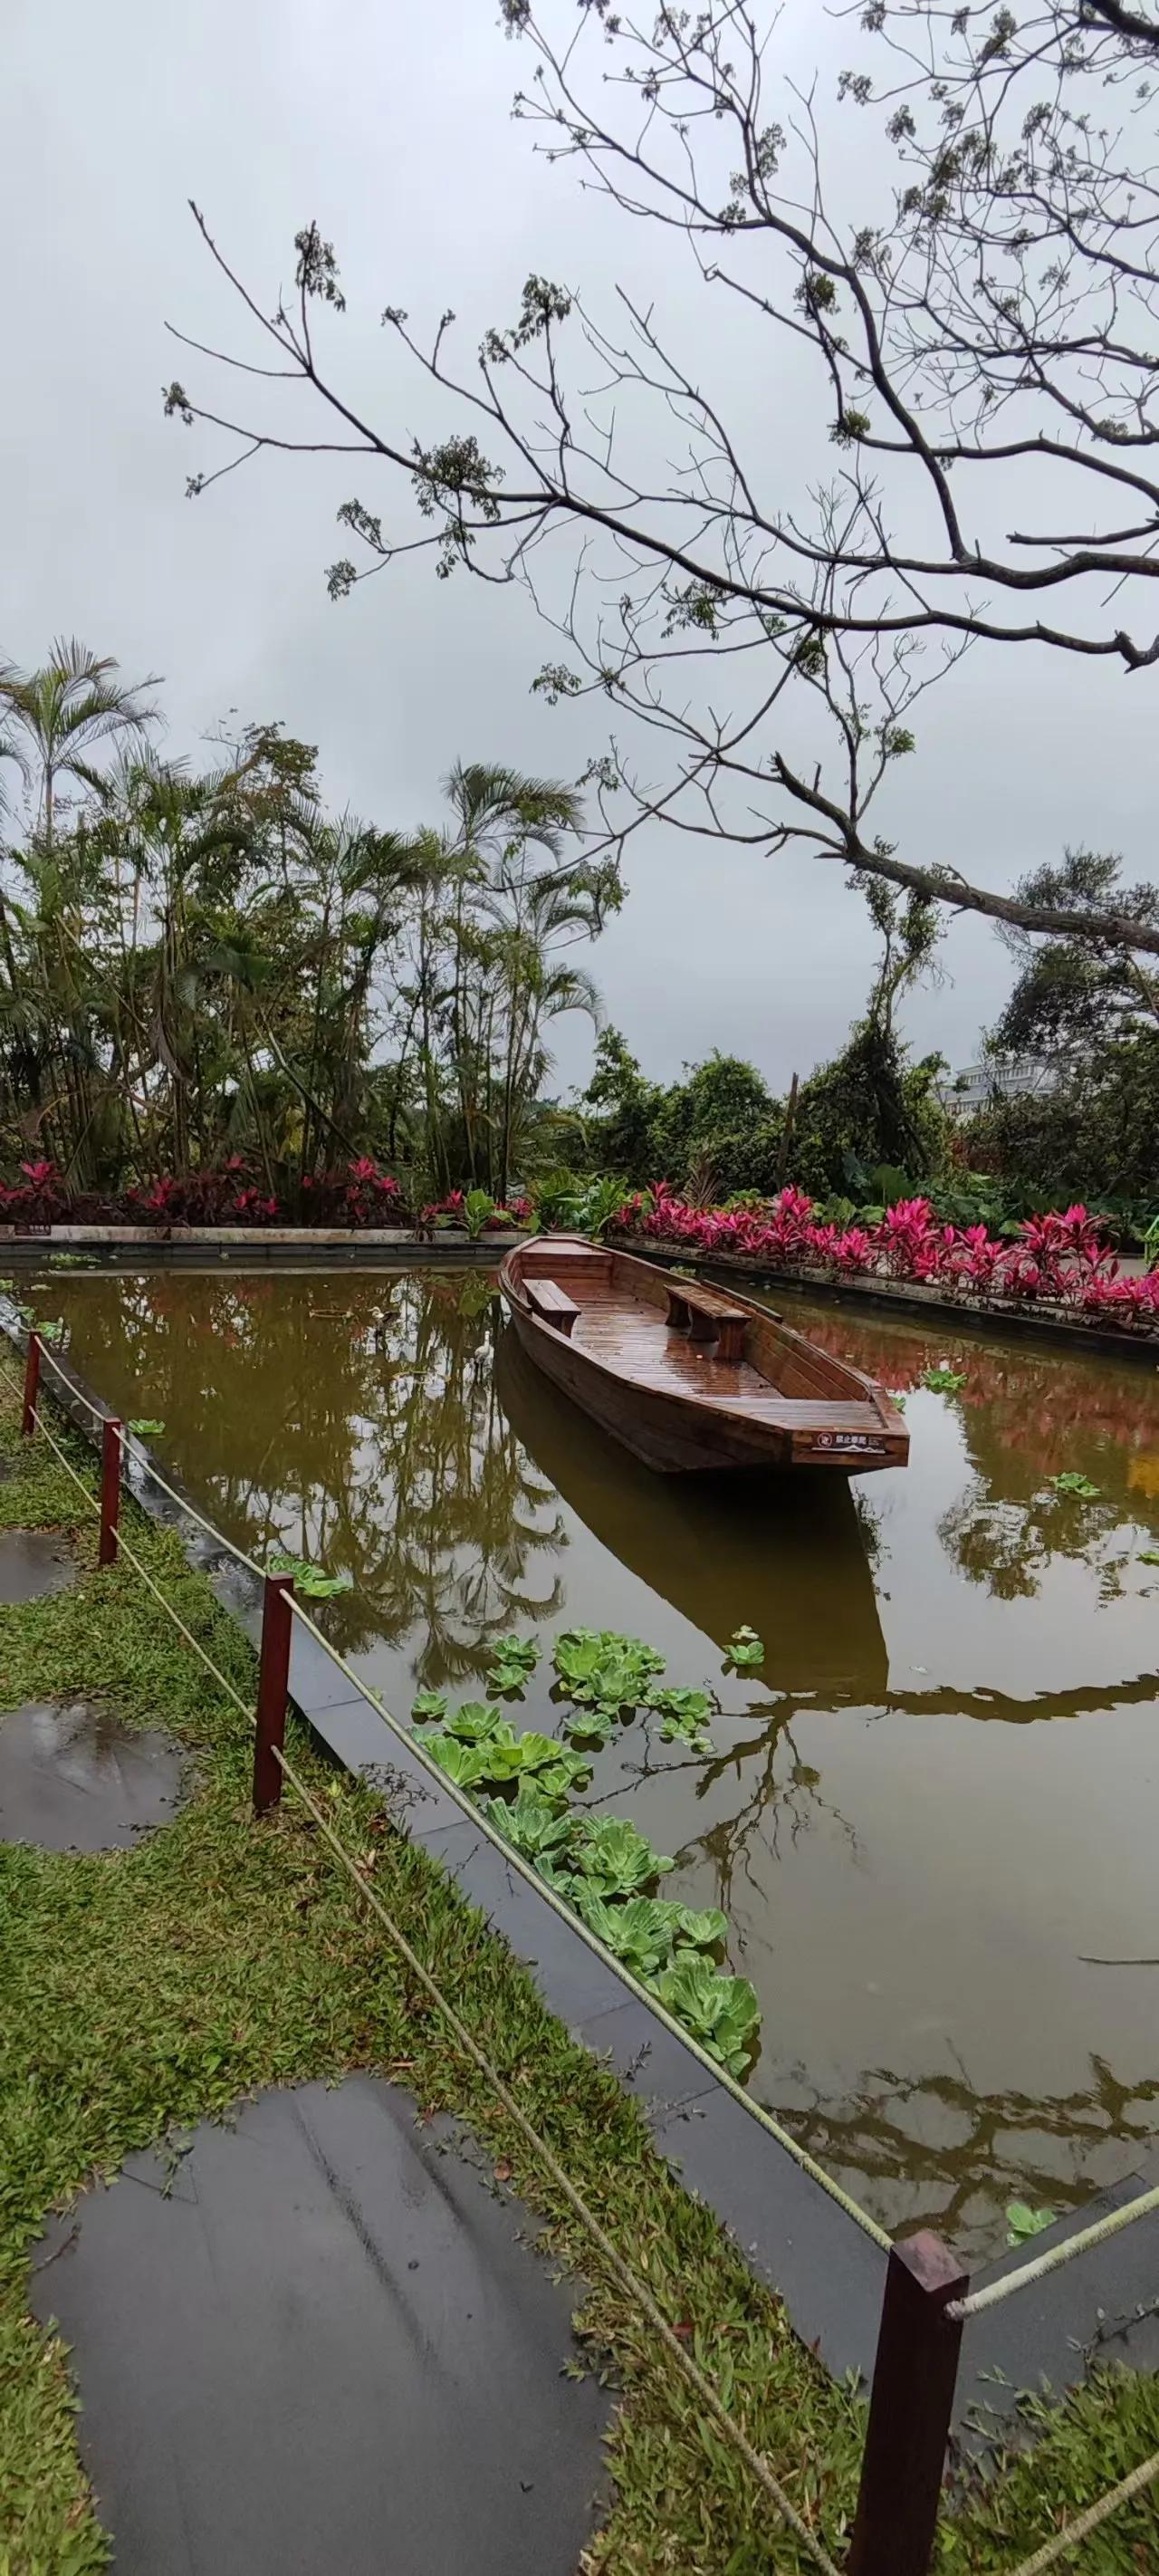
{"x": 148, "y": 1989}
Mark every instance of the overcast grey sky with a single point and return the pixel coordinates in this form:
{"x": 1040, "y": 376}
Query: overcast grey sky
{"x": 392, "y": 126}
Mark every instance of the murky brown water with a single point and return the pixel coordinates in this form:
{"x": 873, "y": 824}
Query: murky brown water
{"x": 931, "y": 1821}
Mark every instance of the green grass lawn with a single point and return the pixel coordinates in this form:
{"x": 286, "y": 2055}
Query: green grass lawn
{"x": 145, "y": 1990}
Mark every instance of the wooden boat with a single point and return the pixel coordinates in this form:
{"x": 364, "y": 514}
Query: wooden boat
{"x": 688, "y": 1376}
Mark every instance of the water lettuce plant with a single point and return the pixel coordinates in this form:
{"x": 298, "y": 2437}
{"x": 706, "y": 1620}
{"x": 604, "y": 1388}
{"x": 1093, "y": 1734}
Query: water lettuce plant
{"x": 682, "y": 1714}
{"x": 312, "y": 1580}
{"x": 722, "y": 2012}
{"x": 646, "y": 1931}
{"x": 1023, "y": 2222}
{"x": 602, "y": 1866}
{"x": 534, "y": 1824}
{"x": 144, "y": 1429}
{"x": 617, "y": 1857}
{"x": 515, "y": 1661}
{"x": 592, "y": 1725}
{"x": 476, "y": 1720}
{"x": 499, "y": 1755}
{"x": 1073, "y": 1482}
{"x": 602, "y": 1669}
{"x": 463, "y": 1763}
{"x": 943, "y": 1381}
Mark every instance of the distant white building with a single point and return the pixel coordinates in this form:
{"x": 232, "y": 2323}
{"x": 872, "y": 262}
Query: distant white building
{"x": 1009, "y": 1078}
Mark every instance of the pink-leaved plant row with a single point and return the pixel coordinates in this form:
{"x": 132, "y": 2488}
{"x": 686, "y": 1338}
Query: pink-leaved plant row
{"x": 1060, "y": 1259}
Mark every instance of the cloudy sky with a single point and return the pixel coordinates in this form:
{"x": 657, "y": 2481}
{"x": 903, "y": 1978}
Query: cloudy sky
{"x": 392, "y": 126}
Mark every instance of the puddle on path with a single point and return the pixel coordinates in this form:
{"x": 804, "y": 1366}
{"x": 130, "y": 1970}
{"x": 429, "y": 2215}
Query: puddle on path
{"x": 75, "y": 1779}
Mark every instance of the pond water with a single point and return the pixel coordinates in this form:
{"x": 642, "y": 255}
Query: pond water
{"x": 930, "y": 1818}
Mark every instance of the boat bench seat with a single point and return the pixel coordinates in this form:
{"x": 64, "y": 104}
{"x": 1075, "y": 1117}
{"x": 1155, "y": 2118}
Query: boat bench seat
{"x": 708, "y": 1316}
{"x": 550, "y": 1301}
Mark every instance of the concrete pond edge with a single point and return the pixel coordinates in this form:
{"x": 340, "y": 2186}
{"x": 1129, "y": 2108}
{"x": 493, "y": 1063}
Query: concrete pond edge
{"x": 178, "y": 1247}
{"x": 828, "y": 2272}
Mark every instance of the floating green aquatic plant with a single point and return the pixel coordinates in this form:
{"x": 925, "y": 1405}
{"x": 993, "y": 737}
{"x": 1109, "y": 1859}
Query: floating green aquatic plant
{"x": 312, "y": 1580}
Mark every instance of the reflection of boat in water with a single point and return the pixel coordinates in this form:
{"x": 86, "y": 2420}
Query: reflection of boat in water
{"x": 777, "y": 1554}
{"x": 690, "y": 1377}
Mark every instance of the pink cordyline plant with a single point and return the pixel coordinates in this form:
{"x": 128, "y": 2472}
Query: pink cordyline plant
{"x": 1060, "y": 1258}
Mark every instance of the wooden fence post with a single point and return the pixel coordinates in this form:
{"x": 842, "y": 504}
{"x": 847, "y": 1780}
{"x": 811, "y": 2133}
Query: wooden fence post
{"x": 31, "y": 1386}
{"x": 110, "y": 1490}
{"x": 910, "y": 2406}
{"x": 273, "y": 1685}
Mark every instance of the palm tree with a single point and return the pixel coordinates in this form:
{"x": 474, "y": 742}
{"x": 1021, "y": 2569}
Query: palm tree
{"x": 176, "y": 832}
{"x": 55, "y": 718}
{"x": 515, "y": 903}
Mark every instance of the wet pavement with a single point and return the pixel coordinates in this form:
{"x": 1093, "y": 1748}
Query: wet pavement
{"x": 33, "y": 1562}
{"x": 76, "y": 1779}
{"x": 321, "y": 2341}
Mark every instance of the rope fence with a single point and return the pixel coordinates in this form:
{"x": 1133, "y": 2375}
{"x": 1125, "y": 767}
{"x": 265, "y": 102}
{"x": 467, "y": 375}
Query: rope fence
{"x": 992, "y": 2294}
{"x": 927, "y": 2303}
{"x": 703, "y": 2388}
{"x": 513, "y": 1860}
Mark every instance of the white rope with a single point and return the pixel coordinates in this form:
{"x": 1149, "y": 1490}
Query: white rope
{"x": 1073, "y": 2533}
{"x": 993, "y": 2292}
{"x": 143, "y": 1460}
{"x": 703, "y": 2388}
{"x": 124, "y": 1549}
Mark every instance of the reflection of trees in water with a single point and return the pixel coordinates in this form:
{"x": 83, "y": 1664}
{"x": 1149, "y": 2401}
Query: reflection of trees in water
{"x": 935, "y": 2149}
{"x": 1042, "y": 1401}
{"x": 1028, "y": 1415}
{"x": 777, "y": 1809}
{"x": 357, "y": 1425}
{"x": 1008, "y": 1546}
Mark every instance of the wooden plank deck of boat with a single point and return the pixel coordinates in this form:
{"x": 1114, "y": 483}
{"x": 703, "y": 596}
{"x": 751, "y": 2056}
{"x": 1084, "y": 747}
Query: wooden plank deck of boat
{"x": 636, "y": 1342}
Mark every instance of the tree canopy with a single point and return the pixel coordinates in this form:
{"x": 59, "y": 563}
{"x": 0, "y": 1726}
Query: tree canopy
{"x": 204, "y": 966}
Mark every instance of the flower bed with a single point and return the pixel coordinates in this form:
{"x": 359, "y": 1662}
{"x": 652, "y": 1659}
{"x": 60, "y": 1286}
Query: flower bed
{"x": 359, "y": 1195}
{"x": 1058, "y": 1263}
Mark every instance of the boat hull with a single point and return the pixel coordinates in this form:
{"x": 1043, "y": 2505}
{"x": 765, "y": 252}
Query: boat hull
{"x": 654, "y": 1426}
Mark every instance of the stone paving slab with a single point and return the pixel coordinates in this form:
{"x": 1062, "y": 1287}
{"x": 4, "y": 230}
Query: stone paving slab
{"x": 76, "y": 1779}
{"x": 327, "y": 2351}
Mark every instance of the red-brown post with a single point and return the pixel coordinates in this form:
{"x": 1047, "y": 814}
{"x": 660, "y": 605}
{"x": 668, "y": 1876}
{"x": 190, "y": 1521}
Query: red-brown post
{"x": 910, "y": 2406}
{"x": 31, "y": 1386}
{"x": 273, "y": 1684}
{"x": 110, "y": 1491}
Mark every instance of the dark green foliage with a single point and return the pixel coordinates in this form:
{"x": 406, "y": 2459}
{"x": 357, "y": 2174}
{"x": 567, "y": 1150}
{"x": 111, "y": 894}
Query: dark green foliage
{"x": 722, "y": 1098}
{"x": 626, "y": 1107}
{"x": 870, "y": 1106}
{"x": 1088, "y": 1010}
{"x": 720, "y": 1132}
{"x": 1094, "y": 1137}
